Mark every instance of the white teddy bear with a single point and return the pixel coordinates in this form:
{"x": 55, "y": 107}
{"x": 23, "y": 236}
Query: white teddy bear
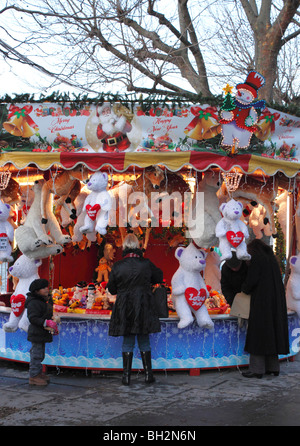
{"x": 189, "y": 291}
{"x": 31, "y": 237}
{"x": 293, "y": 285}
{"x": 96, "y": 205}
{"x": 232, "y": 231}
{"x": 26, "y": 270}
{"x": 6, "y": 233}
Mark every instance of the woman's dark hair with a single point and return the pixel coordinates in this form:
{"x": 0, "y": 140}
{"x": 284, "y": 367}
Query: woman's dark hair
{"x": 257, "y": 246}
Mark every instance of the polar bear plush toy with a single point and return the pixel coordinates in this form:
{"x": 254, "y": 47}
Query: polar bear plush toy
{"x": 232, "y": 231}
{"x": 97, "y": 205}
{"x": 293, "y": 286}
{"x": 32, "y": 238}
{"x": 26, "y": 270}
{"x": 189, "y": 291}
{"x": 6, "y": 233}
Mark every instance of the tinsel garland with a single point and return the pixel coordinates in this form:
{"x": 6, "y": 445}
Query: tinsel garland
{"x": 129, "y": 100}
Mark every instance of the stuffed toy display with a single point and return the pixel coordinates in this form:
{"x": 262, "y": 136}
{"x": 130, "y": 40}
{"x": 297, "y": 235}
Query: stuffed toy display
{"x": 26, "y": 270}
{"x": 293, "y": 286}
{"x": 66, "y": 185}
{"x": 6, "y": 233}
{"x": 32, "y": 238}
{"x": 232, "y": 232}
{"x": 255, "y": 191}
{"x": 189, "y": 291}
{"x": 239, "y": 118}
{"x": 96, "y": 205}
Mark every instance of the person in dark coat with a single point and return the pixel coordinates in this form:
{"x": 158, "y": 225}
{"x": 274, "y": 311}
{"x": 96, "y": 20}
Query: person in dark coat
{"x": 233, "y": 275}
{"x": 133, "y": 314}
{"x": 40, "y": 313}
{"x": 267, "y": 333}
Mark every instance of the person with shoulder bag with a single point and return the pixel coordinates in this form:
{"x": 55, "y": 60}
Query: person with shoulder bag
{"x": 134, "y": 314}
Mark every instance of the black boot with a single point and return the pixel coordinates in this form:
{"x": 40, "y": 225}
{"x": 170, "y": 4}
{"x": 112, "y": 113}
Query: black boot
{"x": 146, "y": 358}
{"x": 127, "y": 361}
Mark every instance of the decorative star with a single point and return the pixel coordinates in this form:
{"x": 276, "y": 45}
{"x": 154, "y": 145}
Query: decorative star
{"x": 227, "y": 89}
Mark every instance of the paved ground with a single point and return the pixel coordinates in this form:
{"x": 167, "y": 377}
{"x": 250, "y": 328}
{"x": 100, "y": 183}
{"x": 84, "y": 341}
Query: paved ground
{"x": 215, "y": 398}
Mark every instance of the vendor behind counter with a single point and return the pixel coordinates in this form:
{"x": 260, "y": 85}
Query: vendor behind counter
{"x": 233, "y": 275}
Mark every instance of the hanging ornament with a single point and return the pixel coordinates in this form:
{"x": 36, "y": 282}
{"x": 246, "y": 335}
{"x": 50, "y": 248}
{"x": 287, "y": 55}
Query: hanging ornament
{"x": 232, "y": 180}
{"x": 4, "y": 179}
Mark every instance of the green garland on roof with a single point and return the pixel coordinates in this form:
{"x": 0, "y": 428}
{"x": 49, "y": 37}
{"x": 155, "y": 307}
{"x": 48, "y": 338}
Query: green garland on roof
{"x": 129, "y": 100}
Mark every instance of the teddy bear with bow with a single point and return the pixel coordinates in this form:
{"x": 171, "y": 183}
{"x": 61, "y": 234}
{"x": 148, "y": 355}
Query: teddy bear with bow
{"x": 96, "y": 205}
{"x": 232, "y": 231}
{"x": 6, "y": 233}
{"x": 26, "y": 270}
{"x": 189, "y": 291}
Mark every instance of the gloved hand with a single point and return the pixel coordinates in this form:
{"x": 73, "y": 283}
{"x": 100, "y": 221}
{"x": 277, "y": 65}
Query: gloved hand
{"x": 52, "y": 327}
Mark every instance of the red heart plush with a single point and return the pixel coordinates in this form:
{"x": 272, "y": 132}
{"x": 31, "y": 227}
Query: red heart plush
{"x": 92, "y": 210}
{"x": 235, "y": 238}
{"x": 195, "y": 298}
{"x": 17, "y": 304}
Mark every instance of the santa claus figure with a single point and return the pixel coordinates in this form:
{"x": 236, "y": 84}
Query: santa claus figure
{"x": 112, "y": 129}
{"x": 238, "y": 124}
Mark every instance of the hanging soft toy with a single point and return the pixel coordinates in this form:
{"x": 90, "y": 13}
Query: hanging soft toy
{"x": 293, "y": 286}
{"x": 232, "y": 231}
{"x": 189, "y": 291}
{"x": 6, "y": 233}
{"x": 96, "y": 205}
{"x": 239, "y": 115}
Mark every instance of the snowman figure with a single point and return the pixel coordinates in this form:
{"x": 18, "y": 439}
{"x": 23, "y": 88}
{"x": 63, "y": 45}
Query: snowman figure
{"x": 239, "y": 124}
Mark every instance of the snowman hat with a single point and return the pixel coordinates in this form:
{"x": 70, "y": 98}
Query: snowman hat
{"x": 253, "y": 83}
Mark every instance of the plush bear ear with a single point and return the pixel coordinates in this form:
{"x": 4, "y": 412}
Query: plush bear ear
{"x": 222, "y": 207}
{"x": 178, "y": 252}
{"x": 240, "y": 204}
{"x": 204, "y": 253}
{"x": 105, "y": 175}
{"x": 7, "y": 205}
{"x": 293, "y": 260}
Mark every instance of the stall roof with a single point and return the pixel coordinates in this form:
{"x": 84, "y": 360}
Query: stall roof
{"x": 120, "y": 162}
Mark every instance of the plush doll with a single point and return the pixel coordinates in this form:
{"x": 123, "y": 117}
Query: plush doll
{"x": 32, "y": 238}
{"x": 26, "y": 270}
{"x": 6, "y": 233}
{"x": 79, "y": 293}
{"x": 232, "y": 232}
{"x": 188, "y": 287}
{"x": 97, "y": 205}
{"x": 91, "y": 295}
{"x": 105, "y": 263}
{"x": 293, "y": 286}
{"x": 259, "y": 223}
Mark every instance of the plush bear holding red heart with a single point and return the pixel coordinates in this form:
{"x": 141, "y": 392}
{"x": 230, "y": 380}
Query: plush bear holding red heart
{"x": 232, "y": 231}
{"x": 96, "y": 205}
{"x": 189, "y": 291}
{"x": 26, "y": 270}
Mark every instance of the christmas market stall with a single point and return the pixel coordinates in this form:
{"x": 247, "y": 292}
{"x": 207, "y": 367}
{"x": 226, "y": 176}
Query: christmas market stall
{"x": 75, "y": 177}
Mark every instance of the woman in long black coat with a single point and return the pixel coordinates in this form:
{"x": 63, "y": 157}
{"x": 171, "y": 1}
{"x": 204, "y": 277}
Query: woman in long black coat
{"x": 133, "y": 314}
{"x": 267, "y": 333}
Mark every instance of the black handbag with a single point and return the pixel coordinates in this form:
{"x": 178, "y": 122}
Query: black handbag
{"x": 160, "y": 297}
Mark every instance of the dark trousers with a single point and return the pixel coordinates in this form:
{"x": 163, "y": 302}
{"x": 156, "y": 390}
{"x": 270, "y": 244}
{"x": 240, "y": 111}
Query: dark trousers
{"x": 129, "y": 343}
{"x": 261, "y": 364}
{"x": 37, "y": 356}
